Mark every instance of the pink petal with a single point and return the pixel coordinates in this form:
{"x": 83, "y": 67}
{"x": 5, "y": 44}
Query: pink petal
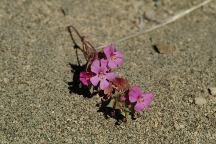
{"x": 104, "y": 84}
{"x": 112, "y": 64}
{"x": 108, "y": 51}
{"x": 83, "y": 74}
{"x": 95, "y": 66}
{"x": 119, "y": 61}
{"x": 119, "y": 54}
{"x": 148, "y": 97}
{"x": 84, "y": 81}
{"x": 137, "y": 89}
{"x": 104, "y": 65}
{"x": 132, "y": 97}
{"x": 134, "y": 93}
{"x": 95, "y": 80}
{"x": 110, "y": 76}
{"x": 84, "y": 78}
{"x": 139, "y": 106}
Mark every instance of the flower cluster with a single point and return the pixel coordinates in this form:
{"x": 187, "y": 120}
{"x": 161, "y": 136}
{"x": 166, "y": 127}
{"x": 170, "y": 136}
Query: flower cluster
{"x": 116, "y": 91}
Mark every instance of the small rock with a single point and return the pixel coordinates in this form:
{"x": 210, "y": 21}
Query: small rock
{"x": 150, "y": 14}
{"x": 212, "y": 90}
{"x": 164, "y": 48}
{"x": 200, "y": 101}
{"x": 190, "y": 101}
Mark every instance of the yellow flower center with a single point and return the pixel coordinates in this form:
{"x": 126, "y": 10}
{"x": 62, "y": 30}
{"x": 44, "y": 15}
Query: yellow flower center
{"x": 140, "y": 99}
{"x": 101, "y": 75}
{"x": 113, "y": 57}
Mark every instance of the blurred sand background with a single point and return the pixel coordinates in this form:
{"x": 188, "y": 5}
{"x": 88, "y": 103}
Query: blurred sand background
{"x": 36, "y": 49}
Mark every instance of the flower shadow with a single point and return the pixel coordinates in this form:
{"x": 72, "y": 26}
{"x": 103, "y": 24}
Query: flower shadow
{"x": 111, "y": 113}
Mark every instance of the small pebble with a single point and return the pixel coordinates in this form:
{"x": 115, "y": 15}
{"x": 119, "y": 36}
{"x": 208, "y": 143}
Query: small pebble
{"x": 165, "y": 48}
{"x": 150, "y": 14}
{"x": 212, "y": 90}
{"x": 200, "y": 101}
{"x": 190, "y": 101}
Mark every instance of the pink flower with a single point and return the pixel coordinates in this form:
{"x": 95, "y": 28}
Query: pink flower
{"x": 85, "y": 78}
{"x": 99, "y": 67}
{"x": 115, "y": 58}
{"x": 143, "y": 100}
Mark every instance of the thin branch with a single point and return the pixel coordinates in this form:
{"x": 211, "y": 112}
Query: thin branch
{"x": 167, "y": 21}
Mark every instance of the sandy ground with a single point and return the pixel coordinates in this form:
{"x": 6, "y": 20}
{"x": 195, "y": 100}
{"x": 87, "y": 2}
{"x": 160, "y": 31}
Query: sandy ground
{"x": 35, "y": 51}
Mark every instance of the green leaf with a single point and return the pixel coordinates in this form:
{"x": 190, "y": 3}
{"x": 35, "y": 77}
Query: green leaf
{"x": 117, "y": 105}
{"x": 123, "y": 113}
{"x": 111, "y": 103}
{"x": 91, "y": 89}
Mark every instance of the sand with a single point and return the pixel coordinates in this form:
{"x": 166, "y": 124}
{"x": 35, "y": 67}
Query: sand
{"x": 36, "y": 51}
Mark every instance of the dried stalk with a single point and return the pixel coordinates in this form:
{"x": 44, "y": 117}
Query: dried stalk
{"x": 166, "y": 22}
